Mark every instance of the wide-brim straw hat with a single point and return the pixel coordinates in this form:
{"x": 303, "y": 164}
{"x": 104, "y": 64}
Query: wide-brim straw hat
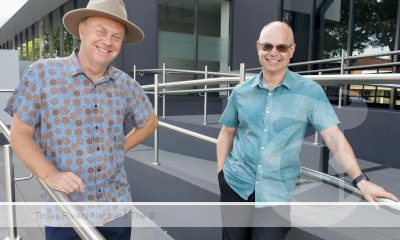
{"x": 112, "y": 9}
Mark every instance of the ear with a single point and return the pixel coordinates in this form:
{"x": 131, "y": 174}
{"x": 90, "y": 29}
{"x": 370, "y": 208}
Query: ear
{"x": 82, "y": 29}
{"x": 258, "y": 48}
{"x": 292, "y": 50}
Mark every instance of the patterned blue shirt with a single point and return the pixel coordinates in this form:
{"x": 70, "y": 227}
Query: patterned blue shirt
{"x": 79, "y": 124}
{"x": 270, "y": 130}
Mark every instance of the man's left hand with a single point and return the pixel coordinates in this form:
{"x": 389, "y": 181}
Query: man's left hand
{"x": 370, "y": 191}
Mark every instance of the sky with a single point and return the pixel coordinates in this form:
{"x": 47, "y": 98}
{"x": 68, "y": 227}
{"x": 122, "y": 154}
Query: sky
{"x": 9, "y": 8}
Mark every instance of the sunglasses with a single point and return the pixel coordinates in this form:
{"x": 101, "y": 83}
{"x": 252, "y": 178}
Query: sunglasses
{"x": 282, "y": 48}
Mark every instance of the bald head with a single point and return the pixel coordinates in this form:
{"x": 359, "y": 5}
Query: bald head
{"x": 282, "y": 27}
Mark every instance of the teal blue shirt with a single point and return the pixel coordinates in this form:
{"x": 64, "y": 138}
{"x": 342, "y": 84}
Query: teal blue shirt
{"x": 270, "y": 130}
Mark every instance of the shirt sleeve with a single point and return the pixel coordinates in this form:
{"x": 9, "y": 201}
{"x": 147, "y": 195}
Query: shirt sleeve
{"x": 140, "y": 106}
{"x": 320, "y": 113}
{"x": 230, "y": 115}
{"x": 25, "y": 102}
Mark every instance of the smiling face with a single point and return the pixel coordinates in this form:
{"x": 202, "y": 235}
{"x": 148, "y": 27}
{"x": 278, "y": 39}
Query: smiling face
{"x": 101, "y": 41}
{"x": 275, "y": 60}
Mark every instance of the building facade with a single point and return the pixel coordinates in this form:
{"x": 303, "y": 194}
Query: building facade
{"x": 221, "y": 34}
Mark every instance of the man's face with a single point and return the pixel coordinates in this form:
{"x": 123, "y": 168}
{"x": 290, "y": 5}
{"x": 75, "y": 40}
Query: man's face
{"x": 101, "y": 40}
{"x": 275, "y": 48}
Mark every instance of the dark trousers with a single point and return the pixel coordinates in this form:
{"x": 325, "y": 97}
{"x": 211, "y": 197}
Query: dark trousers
{"x": 118, "y": 229}
{"x": 248, "y": 222}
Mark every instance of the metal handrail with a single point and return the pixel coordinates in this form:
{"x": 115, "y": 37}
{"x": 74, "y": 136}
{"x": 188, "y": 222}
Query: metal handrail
{"x": 191, "y": 83}
{"x": 81, "y": 225}
{"x": 337, "y": 60}
{"x": 306, "y": 172}
{"x": 183, "y": 71}
{"x": 387, "y": 78}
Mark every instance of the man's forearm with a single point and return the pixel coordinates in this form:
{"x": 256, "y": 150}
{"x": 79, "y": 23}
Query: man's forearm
{"x": 138, "y": 135}
{"x": 31, "y": 155}
{"x": 342, "y": 151}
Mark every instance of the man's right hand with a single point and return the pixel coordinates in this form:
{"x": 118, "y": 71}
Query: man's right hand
{"x": 67, "y": 182}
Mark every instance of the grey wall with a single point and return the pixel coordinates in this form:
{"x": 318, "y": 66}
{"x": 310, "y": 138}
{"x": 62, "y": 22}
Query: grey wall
{"x": 9, "y": 68}
{"x": 145, "y": 53}
{"x": 373, "y": 134}
{"x": 249, "y": 16}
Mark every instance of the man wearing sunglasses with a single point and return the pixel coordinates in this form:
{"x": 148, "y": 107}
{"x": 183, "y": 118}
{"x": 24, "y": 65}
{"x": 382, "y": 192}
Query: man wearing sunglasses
{"x": 259, "y": 144}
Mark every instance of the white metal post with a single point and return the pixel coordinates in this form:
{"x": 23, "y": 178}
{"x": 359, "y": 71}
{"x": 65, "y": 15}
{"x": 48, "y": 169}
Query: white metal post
{"x": 156, "y": 160}
{"x": 205, "y": 96}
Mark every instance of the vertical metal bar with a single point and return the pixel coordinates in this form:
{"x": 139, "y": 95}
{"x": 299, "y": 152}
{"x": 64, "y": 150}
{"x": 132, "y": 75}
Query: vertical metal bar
{"x": 205, "y": 96}
{"x": 392, "y": 100}
{"x": 196, "y": 35}
{"x": 27, "y": 43}
{"x": 75, "y": 42}
{"x": 156, "y": 160}
{"x": 134, "y": 72}
{"x": 316, "y": 138}
{"x": 311, "y": 35}
{"x": 350, "y": 29}
{"x": 10, "y": 192}
{"x": 242, "y": 73}
{"x": 61, "y": 35}
{"x": 397, "y": 37}
{"x": 41, "y": 39}
{"x": 163, "y": 96}
{"x": 51, "y": 36}
{"x": 33, "y": 43}
{"x": 341, "y": 73}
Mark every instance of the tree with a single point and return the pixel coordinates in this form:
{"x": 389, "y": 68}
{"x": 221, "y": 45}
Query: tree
{"x": 374, "y": 25}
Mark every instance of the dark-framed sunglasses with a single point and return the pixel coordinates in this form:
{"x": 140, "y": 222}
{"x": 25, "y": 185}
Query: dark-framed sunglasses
{"x": 282, "y": 48}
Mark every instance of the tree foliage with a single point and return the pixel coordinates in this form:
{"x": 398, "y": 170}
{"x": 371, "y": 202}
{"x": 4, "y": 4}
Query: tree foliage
{"x": 374, "y": 25}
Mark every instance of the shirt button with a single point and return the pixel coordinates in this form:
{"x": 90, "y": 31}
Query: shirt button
{"x": 98, "y": 148}
{"x": 262, "y": 148}
{"x": 259, "y": 166}
{"x": 270, "y": 94}
{"x": 257, "y": 182}
{"x": 265, "y": 130}
{"x": 267, "y": 111}
{"x": 95, "y": 106}
{"x": 97, "y": 127}
{"x": 99, "y": 190}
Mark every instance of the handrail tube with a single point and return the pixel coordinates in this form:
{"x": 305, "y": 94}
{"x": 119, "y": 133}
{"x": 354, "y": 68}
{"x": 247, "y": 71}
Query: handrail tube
{"x": 366, "y": 79}
{"x": 169, "y": 71}
{"x": 312, "y": 62}
{"x": 7, "y": 90}
{"x": 4, "y": 129}
{"x": 187, "y": 132}
{"x": 199, "y": 82}
{"x": 304, "y": 171}
{"x": 81, "y": 226}
{"x": 197, "y": 90}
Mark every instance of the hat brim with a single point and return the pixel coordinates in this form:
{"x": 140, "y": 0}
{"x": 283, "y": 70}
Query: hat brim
{"x": 72, "y": 19}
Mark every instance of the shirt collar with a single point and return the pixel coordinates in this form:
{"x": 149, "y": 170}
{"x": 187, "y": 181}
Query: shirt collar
{"x": 288, "y": 80}
{"x": 77, "y": 69}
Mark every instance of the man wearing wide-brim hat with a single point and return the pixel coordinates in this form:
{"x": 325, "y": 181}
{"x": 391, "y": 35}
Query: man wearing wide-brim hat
{"x": 68, "y": 116}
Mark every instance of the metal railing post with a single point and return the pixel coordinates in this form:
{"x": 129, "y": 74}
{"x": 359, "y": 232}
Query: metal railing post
{"x": 342, "y": 65}
{"x": 242, "y": 73}
{"x": 156, "y": 160}
{"x": 10, "y": 193}
{"x": 316, "y": 138}
{"x": 163, "y": 96}
{"x": 205, "y": 96}
{"x": 134, "y": 72}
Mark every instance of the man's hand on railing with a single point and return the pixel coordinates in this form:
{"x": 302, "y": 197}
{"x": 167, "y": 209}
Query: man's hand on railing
{"x": 67, "y": 182}
{"x": 371, "y": 191}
